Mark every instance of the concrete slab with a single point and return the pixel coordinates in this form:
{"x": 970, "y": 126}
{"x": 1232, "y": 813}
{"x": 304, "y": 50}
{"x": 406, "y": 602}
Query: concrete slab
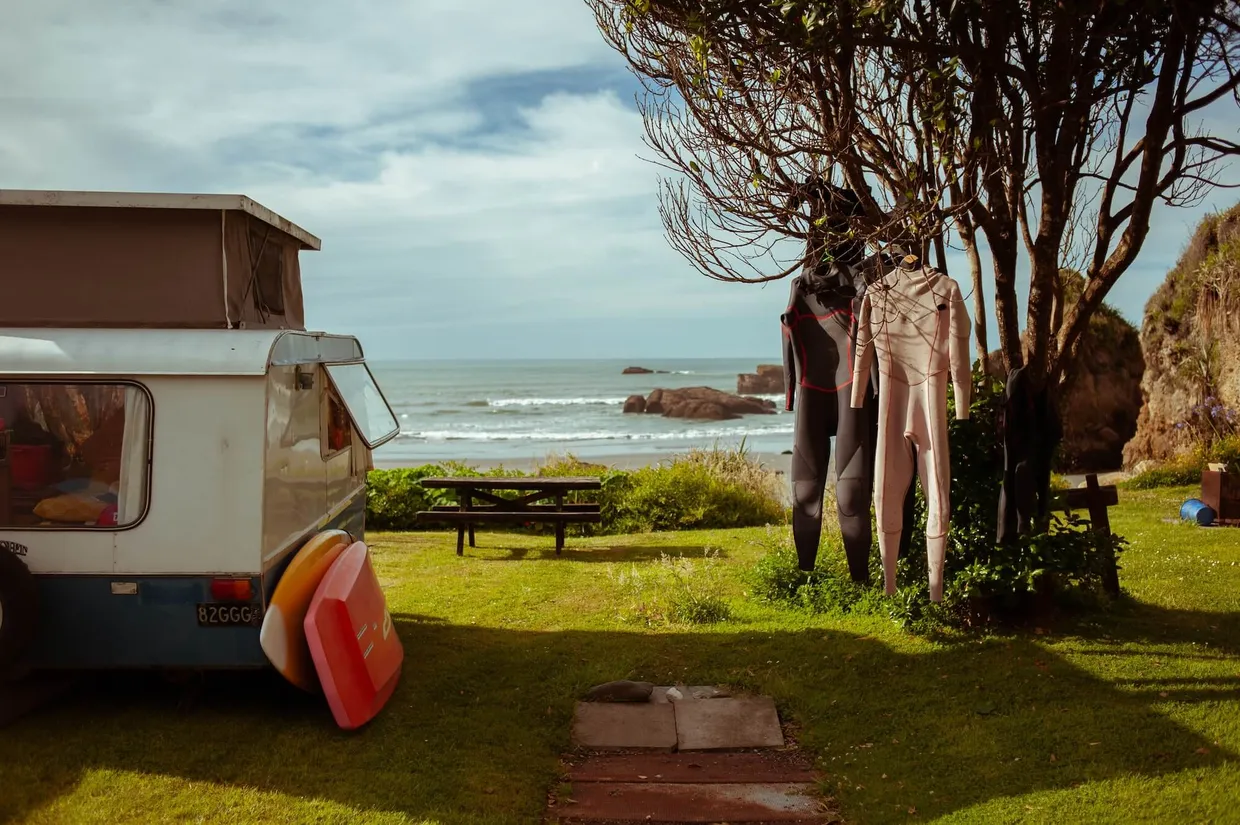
{"x": 728, "y": 724}
{"x": 608, "y": 726}
{"x": 712, "y": 768}
{"x": 730, "y": 803}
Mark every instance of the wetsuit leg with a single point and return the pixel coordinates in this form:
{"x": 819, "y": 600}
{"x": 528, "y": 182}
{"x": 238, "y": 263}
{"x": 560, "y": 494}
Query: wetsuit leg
{"x": 811, "y": 451}
{"x": 894, "y": 457}
{"x": 929, "y": 426}
{"x": 854, "y": 483}
{"x": 910, "y": 498}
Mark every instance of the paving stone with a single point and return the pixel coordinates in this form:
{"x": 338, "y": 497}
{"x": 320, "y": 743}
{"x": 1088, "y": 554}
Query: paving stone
{"x": 607, "y": 726}
{"x": 682, "y": 803}
{"x": 728, "y": 724}
{"x": 760, "y": 766}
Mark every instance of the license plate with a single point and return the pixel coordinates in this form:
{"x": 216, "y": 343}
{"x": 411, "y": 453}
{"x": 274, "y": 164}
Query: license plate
{"x": 230, "y": 615}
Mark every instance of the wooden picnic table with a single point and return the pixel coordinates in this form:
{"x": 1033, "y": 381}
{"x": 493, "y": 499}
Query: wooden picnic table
{"x": 498, "y": 509}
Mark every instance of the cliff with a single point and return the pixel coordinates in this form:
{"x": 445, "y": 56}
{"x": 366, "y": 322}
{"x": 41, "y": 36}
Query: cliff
{"x": 1191, "y": 338}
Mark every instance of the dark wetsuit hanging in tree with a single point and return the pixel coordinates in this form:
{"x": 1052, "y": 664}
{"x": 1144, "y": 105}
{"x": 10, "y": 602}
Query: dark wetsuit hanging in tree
{"x": 1031, "y": 431}
{"x": 819, "y": 327}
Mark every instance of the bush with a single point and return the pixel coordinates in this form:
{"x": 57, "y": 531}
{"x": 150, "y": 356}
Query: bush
{"x": 984, "y": 583}
{"x": 703, "y": 489}
{"x": 675, "y": 591}
{"x": 1185, "y": 469}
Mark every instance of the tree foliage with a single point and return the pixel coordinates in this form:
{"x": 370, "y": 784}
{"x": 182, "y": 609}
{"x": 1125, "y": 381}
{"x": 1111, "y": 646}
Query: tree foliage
{"x": 1042, "y": 130}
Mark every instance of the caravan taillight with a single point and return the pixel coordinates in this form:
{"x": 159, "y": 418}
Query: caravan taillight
{"x": 232, "y": 590}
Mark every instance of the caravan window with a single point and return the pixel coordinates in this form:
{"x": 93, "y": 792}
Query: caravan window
{"x": 367, "y": 407}
{"x": 338, "y": 435}
{"x": 73, "y": 454}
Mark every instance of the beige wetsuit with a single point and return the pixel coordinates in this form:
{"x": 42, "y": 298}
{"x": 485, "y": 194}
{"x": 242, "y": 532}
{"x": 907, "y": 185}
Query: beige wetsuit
{"x": 916, "y": 322}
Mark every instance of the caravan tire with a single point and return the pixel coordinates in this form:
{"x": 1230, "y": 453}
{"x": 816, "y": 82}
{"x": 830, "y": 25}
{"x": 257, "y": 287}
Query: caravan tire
{"x": 19, "y": 611}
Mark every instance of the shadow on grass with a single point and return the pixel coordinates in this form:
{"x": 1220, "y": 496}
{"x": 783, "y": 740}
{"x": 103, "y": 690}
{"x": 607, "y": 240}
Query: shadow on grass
{"x": 626, "y": 553}
{"x": 474, "y": 731}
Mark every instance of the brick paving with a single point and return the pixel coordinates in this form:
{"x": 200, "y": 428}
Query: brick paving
{"x": 727, "y": 762}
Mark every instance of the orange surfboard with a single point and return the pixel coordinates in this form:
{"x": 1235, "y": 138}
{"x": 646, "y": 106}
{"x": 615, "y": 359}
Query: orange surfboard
{"x": 283, "y": 635}
{"x": 356, "y": 649}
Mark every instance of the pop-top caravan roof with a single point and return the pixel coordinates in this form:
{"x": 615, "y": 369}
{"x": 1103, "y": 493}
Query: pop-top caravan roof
{"x": 143, "y": 260}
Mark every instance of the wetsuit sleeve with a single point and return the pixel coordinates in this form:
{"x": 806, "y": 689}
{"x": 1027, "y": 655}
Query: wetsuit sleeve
{"x": 790, "y": 363}
{"x": 864, "y": 353}
{"x": 958, "y": 351}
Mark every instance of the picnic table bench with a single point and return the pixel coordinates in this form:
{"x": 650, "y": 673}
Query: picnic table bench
{"x": 498, "y": 509}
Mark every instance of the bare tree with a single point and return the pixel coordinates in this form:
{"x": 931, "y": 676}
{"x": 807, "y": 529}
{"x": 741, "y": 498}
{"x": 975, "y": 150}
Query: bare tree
{"x": 1050, "y": 128}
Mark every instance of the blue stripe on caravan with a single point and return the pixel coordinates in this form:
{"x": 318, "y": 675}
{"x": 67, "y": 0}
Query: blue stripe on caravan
{"x": 82, "y": 624}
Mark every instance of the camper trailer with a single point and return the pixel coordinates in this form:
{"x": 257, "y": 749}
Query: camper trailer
{"x": 170, "y": 433}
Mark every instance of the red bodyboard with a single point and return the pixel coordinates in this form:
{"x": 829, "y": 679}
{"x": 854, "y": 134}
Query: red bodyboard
{"x": 356, "y": 650}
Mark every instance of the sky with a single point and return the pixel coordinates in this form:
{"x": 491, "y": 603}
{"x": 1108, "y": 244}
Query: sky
{"x": 476, "y": 171}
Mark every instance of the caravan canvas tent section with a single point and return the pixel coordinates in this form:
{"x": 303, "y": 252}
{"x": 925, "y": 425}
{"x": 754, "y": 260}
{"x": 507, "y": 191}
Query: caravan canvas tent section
{"x": 141, "y": 260}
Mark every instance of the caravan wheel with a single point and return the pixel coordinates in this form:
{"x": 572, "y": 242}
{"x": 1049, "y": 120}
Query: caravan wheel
{"x": 19, "y": 611}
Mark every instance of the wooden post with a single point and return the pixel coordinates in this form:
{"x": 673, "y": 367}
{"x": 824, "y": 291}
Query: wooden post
{"x": 1101, "y": 523}
{"x": 559, "y": 525}
{"x": 463, "y": 501}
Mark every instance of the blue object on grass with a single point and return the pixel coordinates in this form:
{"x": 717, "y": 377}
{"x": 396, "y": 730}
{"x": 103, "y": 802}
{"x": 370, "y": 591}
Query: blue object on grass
{"x": 1197, "y": 510}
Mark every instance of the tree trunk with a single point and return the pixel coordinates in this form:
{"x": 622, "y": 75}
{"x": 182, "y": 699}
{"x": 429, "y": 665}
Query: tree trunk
{"x": 969, "y": 239}
{"x": 1003, "y": 259}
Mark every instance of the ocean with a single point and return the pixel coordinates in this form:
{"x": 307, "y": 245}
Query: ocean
{"x": 496, "y": 411}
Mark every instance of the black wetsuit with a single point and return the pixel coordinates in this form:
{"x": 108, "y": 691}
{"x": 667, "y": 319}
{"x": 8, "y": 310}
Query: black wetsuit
{"x": 819, "y": 329}
{"x": 1031, "y": 430}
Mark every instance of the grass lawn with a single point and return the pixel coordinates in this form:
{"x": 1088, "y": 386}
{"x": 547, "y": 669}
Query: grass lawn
{"x": 1133, "y": 716}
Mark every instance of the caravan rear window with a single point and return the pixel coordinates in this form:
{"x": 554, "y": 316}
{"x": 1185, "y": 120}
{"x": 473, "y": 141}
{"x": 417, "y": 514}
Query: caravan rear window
{"x": 367, "y": 407}
{"x": 73, "y": 455}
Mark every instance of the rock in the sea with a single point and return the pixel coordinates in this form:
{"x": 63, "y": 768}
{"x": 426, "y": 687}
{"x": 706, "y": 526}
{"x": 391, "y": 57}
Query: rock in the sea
{"x": 635, "y": 404}
{"x": 636, "y": 371}
{"x": 705, "y": 403}
{"x": 622, "y": 690}
{"x": 768, "y": 380}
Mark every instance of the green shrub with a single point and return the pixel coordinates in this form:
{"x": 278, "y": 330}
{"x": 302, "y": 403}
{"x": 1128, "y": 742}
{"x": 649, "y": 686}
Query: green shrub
{"x": 393, "y": 497}
{"x": 1185, "y": 469}
{"x": 689, "y": 494}
{"x": 703, "y": 489}
{"x": 675, "y": 591}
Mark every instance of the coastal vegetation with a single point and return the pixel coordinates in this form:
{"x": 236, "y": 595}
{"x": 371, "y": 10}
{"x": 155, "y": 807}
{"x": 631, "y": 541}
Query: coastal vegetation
{"x": 1126, "y": 715}
{"x": 702, "y": 489}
